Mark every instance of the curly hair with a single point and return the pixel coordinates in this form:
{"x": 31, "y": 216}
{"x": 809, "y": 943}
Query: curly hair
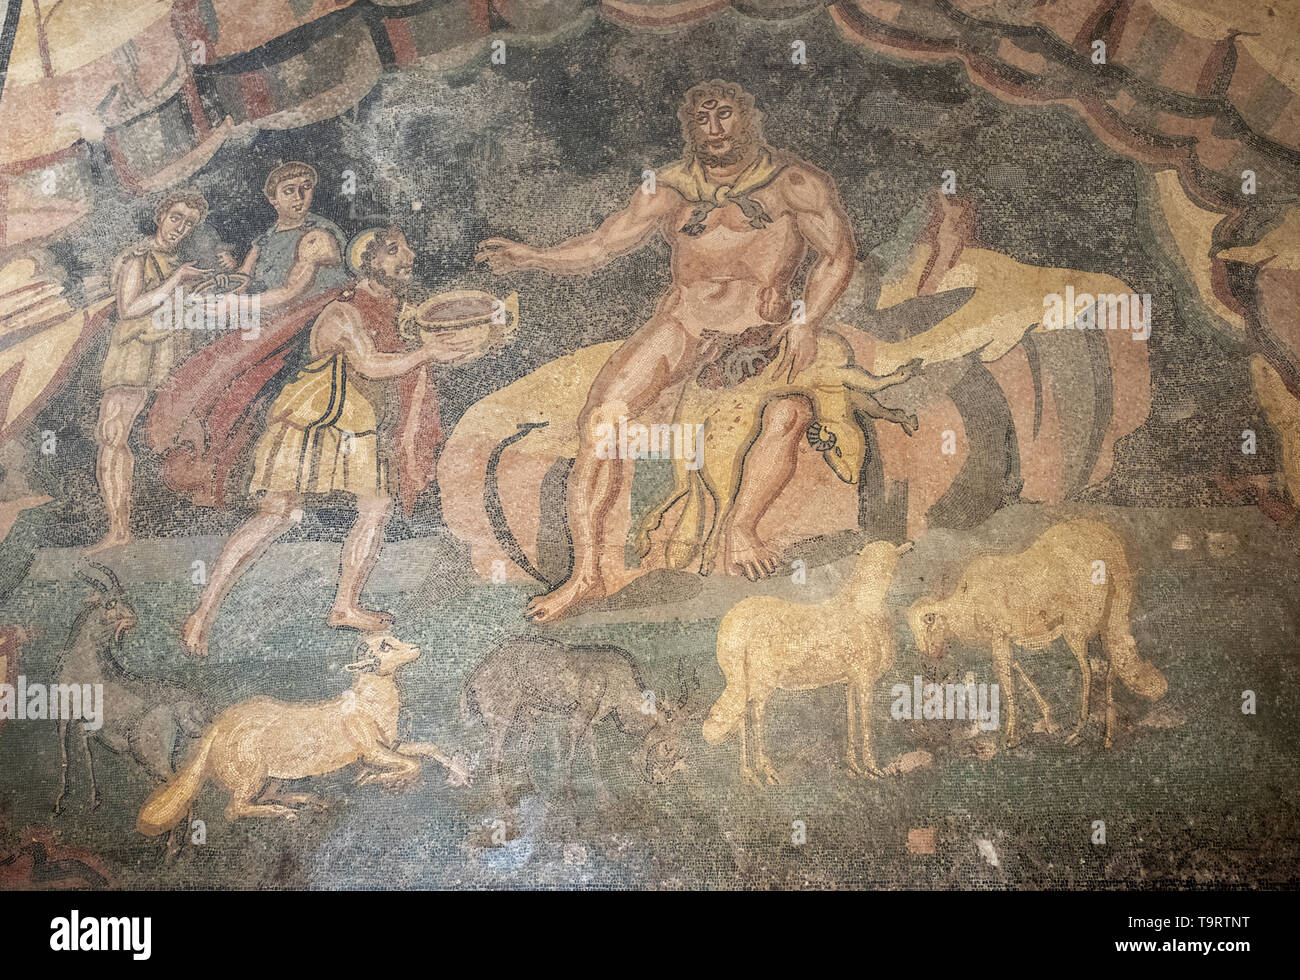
{"x": 287, "y": 171}
{"x": 751, "y": 119}
{"x": 375, "y": 246}
{"x": 190, "y": 198}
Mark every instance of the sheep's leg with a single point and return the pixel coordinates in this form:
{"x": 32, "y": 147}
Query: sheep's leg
{"x": 63, "y": 752}
{"x": 1110, "y": 703}
{"x": 1079, "y": 647}
{"x": 593, "y": 752}
{"x": 1043, "y": 706}
{"x": 859, "y": 692}
{"x": 747, "y": 774}
{"x": 851, "y": 753}
{"x": 499, "y": 727}
{"x": 95, "y": 798}
{"x": 580, "y": 727}
{"x": 530, "y": 740}
{"x": 1002, "y": 663}
{"x": 761, "y": 761}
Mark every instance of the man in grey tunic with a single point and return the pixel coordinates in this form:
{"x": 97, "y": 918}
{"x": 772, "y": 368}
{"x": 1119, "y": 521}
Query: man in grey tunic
{"x": 301, "y": 255}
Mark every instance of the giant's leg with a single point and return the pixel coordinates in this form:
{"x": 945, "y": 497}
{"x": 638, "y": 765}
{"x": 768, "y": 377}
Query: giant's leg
{"x": 114, "y": 465}
{"x": 360, "y": 553}
{"x": 769, "y": 465}
{"x": 654, "y": 358}
{"x": 277, "y": 512}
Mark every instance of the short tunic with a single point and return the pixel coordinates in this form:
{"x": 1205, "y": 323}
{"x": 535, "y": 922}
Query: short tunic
{"x": 326, "y": 431}
{"x": 147, "y": 359}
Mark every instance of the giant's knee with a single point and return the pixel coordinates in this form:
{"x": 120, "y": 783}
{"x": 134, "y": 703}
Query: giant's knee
{"x": 598, "y": 424}
{"x": 787, "y": 416}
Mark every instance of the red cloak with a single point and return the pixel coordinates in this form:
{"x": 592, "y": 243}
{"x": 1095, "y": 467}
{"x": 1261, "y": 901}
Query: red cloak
{"x": 213, "y": 406}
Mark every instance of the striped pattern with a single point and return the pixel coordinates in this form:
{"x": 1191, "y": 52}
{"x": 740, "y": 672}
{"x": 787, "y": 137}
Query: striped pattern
{"x": 321, "y": 457}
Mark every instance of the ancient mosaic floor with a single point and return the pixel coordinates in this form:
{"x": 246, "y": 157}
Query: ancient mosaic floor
{"x": 480, "y": 444}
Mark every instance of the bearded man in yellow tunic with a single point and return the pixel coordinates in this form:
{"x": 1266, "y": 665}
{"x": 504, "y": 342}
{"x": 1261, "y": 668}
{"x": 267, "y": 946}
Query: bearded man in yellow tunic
{"x": 358, "y": 418}
{"x": 145, "y": 276}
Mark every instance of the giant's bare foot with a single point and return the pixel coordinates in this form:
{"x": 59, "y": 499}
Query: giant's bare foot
{"x": 744, "y": 553}
{"x": 114, "y": 539}
{"x": 356, "y": 618}
{"x": 559, "y": 602}
{"x": 194, "y": 637}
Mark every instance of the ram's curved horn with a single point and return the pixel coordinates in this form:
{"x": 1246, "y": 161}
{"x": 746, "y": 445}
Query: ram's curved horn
{"x": 108, "y": 574}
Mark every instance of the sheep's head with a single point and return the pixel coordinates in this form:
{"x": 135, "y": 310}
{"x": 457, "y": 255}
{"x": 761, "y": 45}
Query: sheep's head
{"x": 666, "y": 750}
{"x": 666, "y": 746}
{"x": 929, "y": 623}
{"x": 382, "y": 654}
{"x": 881, "y": 558}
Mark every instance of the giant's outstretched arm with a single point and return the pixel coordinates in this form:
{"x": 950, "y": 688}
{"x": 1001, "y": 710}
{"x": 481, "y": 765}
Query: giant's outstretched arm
{"x": 620, "y": 234}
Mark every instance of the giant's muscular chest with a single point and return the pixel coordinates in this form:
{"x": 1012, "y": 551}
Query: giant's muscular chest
{"x": 729, "y": 244}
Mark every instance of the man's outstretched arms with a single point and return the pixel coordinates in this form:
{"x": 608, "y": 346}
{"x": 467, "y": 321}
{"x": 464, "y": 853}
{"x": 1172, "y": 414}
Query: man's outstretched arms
{"x": 620, "y": 234}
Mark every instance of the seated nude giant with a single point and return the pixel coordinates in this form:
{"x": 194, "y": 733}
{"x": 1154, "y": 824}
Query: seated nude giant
{"x": 740, "y": 218}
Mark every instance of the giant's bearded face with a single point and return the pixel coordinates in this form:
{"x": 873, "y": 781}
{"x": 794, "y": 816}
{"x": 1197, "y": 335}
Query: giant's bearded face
{"x": 720, "y": 124}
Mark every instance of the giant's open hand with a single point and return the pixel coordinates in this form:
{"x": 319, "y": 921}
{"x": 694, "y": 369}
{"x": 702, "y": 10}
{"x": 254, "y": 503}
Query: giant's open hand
{"x": 503, "y": 255}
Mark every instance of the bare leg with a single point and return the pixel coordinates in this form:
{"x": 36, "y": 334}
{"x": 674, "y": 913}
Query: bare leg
{"x": 500, "y": 730}
{"x": 115, "y": 466}
{"x": 389, "y": 768}
{"x": 593, "y": 752}
{"x": 243, "y": 802}
{"x": 1110, "y": 703}
{"x": 360, "y": 553}
{"x": 653, "y": 359}
{"x": 277, "y": 513}
{"x": 579, "y": 727}
{"x": 769, "y": 465}
{"x": 851, "y": 753}
{"x": 746, "y": 773}
{"x": 311, "y": 800}
{"x": 859, "y": 692}
{"x": 95, "y": 798}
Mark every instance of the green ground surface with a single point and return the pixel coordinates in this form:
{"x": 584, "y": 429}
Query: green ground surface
{"x": 1211, "y": 800}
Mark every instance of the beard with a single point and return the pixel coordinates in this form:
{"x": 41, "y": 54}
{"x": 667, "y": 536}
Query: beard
{"x": 743, "y": 147}
{"x": 401, "y": 289}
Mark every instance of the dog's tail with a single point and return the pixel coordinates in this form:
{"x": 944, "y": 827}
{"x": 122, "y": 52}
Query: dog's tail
{"x": 173, "y": 799}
